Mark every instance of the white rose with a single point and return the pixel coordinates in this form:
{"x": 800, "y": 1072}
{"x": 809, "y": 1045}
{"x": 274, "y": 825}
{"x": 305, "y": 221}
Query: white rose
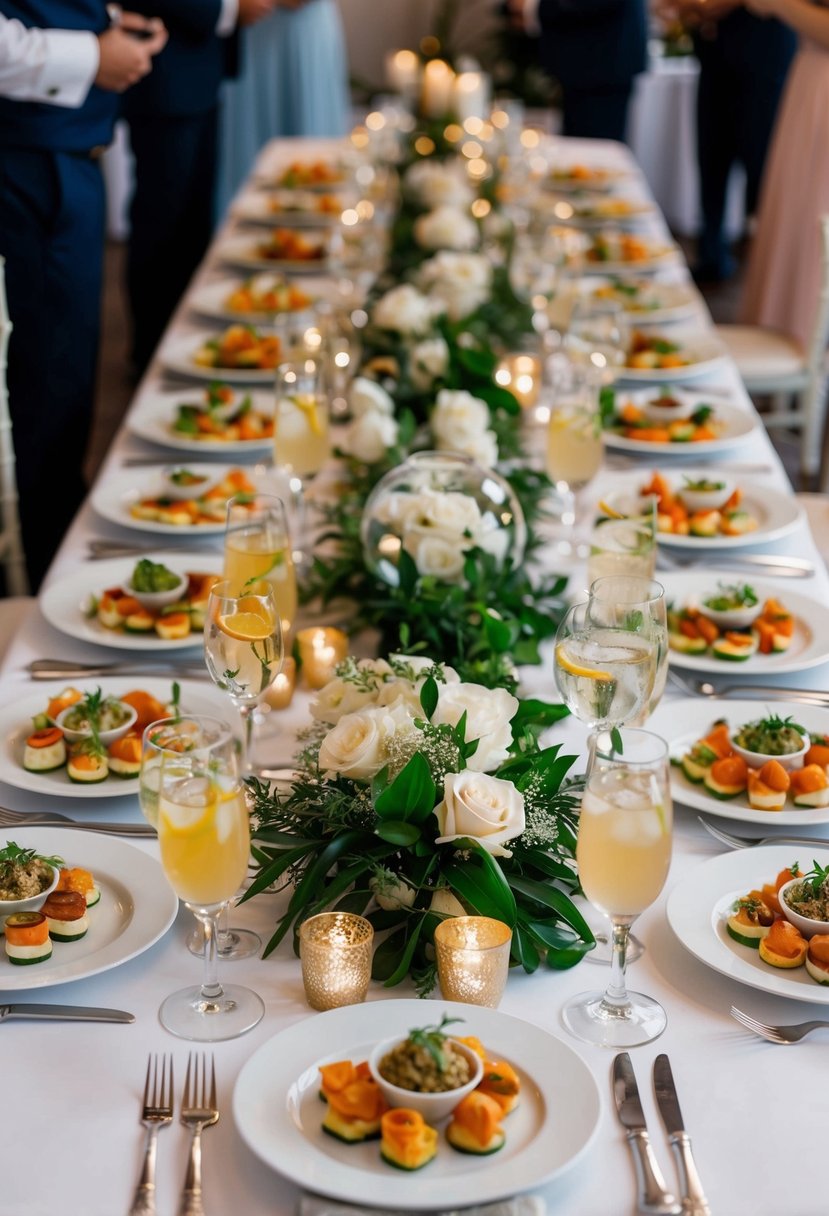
{"x": 392, "y": 892}
{"x": 462, "y": 280}
{"x": 435, "y": 555}
{"x": 446, "y": 228}
{"x": 485, "y": 809}
{"x": 427, "y": 362}
{"x": 449, "y": 514}
{"x": 357, "y": 746}
{"x": 368, "y": 397}
{"x": 406, "y": 311}
{"x": 339, "y": 697}
{"x": 420, "y": 664}
{"x": 458, "y": 415}
{"x": 369, "y": 437}
{"x": 493, "y": 538}
{"x": 483, "y": 449}
{"x": 433, "y": 184}
{"x": 489, "y": 713}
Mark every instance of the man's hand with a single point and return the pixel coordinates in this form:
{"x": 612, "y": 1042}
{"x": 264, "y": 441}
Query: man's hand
{"x": 126, "y": 51}
{"x": 251, "y": 11}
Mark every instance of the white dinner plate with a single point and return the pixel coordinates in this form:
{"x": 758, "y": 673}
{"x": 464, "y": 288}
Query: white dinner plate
{"x": 16, "y": 726}
{"x": 706, "y": 355}
{"x": 136, "y": 908}
{"x": 604, "y": 181}
{"x": 809, "y": 646}
{"x": 697, "y": 718}
{"x": 588, "y": 214}
{"x": 210, "y": 300}
{"x": 659, "y": 257}
{"x": 63, "y": 602}
{"x": 278, "y": 1112}
{"x": 737, "y": 425}
{"x": 777, "y": 513}
{"x": 178, "y": 355}
{"x": 241, "y": 251}
{"x": 152, "y": 416}
{"x": 700, "y": 904}
{"x": 285, "y": 209}
{"x": 114, "y": 496}
{"x": 667, "y": 302}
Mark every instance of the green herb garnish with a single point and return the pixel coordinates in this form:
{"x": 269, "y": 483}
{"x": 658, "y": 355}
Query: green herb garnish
{"x": 13, "y": 855}
{"x": 433, "y": 1040}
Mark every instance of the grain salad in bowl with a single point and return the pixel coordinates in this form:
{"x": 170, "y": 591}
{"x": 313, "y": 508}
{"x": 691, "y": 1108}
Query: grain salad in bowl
{"x": 26, "y": 879}
{"x": 428, "y": 1071}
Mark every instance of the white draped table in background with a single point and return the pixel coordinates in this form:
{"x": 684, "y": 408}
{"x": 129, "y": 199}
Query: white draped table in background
{"x": 71, "y": 1139}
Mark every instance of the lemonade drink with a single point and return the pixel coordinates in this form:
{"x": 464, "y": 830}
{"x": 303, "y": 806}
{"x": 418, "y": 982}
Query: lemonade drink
{"x": 204, "y": 837}
{"x": 574, "y": 445}
{"x": 302, "y": 442}
{"x": 255, "y": 553}
{"x": 624, "y": 841}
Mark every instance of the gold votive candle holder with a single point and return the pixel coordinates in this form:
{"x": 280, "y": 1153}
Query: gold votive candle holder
{"x": 320, "y": 649}
{"x": 281, "y": 692}
{"x": 473, "y": 959}
{"x": 335, "y": 952}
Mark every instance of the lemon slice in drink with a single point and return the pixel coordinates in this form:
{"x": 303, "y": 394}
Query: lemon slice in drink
{"x": 609, "y": 511}
{"x": 309, "y": 408}
{"x": 251, "y": 622}
{"x": 575, "y": 669}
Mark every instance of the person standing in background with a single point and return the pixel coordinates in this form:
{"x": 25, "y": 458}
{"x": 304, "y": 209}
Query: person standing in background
{"x": 173, "y": 124}
{"x": 594, "y": 49}
{"x": 294, "y": 81}
{"x": 743, "y": 65}
{"x": 63, "y": 64}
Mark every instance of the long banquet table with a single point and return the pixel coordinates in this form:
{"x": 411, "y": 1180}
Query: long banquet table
{"x": 71, "y": 1138}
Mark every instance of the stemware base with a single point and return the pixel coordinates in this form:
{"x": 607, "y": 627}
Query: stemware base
{"x": 231, "y": 944}
{"x": 190, "y": 1015}
{"x": 590, "y": 1018}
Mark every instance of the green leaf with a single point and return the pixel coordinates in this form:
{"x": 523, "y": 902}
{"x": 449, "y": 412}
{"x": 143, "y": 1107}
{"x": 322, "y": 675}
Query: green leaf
{"x": 402, "y": 968}
{"x": 481, "y": 883}
{"x": 396, "y": 831}
{"x": 306, "y": 888}
{"x": 274, "y": 871}
{"x": 551, "y": 897}
{"x": 387, "y": 955}
{"x": 539, "y": 713}
{"x": 354, "y": 901}
{"x": 561, "y": 960}
{"x": 525, "y": 950}
{"x": 499, "y": 634}
{"x": 429, "y": 696}
{"x": 411, "y": 796}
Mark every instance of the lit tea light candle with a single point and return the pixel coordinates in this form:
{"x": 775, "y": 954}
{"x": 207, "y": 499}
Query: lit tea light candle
{"x": 438, "y": 87}
{"x": 335, "y": 952}
{"x": 472, "y": 955}
{"x": 280, "y": 694}
{"x": 403, "y": 72}
{"x": 320, "y": 650}
{"x": 521, "y": 374}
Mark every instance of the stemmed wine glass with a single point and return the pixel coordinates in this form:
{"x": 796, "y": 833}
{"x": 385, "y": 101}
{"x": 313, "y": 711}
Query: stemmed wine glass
{"x": 257, "y": 546}
{"x": 574, "y": 438}
{"x": 243, "y": 647}
{"x": 302, "y": 442}
{"x": 197, "y": 794}
{"x": 624, "y": 854}
{"x": 636, "y": 605}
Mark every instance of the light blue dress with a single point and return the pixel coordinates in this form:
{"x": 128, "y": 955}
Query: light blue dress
{"x": 293, "y": 81}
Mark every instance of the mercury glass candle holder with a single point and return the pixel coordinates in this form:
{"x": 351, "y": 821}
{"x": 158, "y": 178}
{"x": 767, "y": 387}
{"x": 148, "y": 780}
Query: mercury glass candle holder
{"x": 473, "y": 959}
{"x": 335, "y": 951}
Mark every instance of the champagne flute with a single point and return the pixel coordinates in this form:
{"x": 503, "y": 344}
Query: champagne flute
{"x": 302, "y": 442}
{"x": 574, "y": 439}
{"x": 243, "y": 647}
{"x": 257, "y": 546}
{"x": 624, "y": 854}
{"x": 204, "y": 840}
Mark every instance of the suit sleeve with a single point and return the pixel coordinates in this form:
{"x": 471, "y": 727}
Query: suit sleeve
{"x": 191, "y": 20}
{"x": 55, "y": 66}
{"x": 558, "y": 13}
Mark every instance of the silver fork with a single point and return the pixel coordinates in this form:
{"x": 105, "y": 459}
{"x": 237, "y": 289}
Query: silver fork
{"x": 762, "y": 692}
{"x": 745, "y": 842}
{"x": 157, "y": 1112}
{"x": 198, "y": 1110}
{"x": 26, "y": 819}
{"x": 777, "y": 1034}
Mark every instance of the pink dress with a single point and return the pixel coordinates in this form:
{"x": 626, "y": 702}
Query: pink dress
{"x": 784, "y": 270}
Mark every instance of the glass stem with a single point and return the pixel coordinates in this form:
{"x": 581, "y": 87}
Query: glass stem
{"x": 246, "y": 712}
{"x": 298, "y": 511}
{"x": 616, "y": 996}
{"x": 211, "y": 989}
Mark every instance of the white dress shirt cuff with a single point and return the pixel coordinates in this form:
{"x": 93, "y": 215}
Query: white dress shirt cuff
{"x": 532, "y": 25}
{"x": 70, "y": 65}
{"x": 227, "y": 18}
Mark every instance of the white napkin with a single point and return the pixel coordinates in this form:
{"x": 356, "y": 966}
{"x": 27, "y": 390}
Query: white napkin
{"x": 521, "y": 1205}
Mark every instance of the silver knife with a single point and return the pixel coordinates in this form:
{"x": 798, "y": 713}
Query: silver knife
{"x": 654, "y": 1197}
{"x": 64, "y": 1013}
{"x": 60, "y": 669}
{"x": 694, "y": 1202}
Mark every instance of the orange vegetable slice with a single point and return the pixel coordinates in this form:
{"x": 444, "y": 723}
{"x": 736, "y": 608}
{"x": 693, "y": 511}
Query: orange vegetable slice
{"x": 774, "y": 776}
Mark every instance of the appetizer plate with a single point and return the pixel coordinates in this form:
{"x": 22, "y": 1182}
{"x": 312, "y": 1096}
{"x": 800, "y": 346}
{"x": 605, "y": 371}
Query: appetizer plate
{"x": 63, "y": 602}
{"x": 658, "y": 303}
{"x": 114, "y": 496}
{"x": 241, "y": 251}
{"x": 698, "y": 718}
{"x": 152, "y": 418}
{"x": 178, "y": 355}
{"x": 809, "y": 646}
{"x": 137, "y": 907}
{"x": 659, "y": 257}
{"x": 278, "y": 1112}
{"x": 210, "y": 300}
{"x": 737, "y": 425}
{"x": 705, "y": 355}
{"x": 777, "y": 513}
{"x": 274, "y": 209}
{"x": 598, "y": 180}
{"x": 588, "y": 213}
{"x": 16, "y": 726}
{"x": 700, "y": 904}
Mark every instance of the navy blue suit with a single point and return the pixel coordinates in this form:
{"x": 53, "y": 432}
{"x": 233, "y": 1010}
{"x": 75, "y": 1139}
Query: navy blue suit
{"x": 172, "y": 117}
{"x": 743, "y": 64}
{"x": 594, "y": 49}
{"x": 51, "y": 235}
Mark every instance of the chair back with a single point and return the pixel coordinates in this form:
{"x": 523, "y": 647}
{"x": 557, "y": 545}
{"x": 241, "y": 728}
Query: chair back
{"x": 11, "y": 545}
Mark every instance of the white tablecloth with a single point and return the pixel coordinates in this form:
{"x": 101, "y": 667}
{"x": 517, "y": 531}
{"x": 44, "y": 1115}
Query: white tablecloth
{"x": 71, "y": 1094}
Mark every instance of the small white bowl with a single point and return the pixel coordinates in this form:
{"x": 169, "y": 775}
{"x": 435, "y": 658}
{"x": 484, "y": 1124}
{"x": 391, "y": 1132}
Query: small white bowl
{"x": 208, "y": 477}
{"x": 757, "y": 759}
{"x": 433, "y": 1107}
{"x": 807, "y": 926}
{"x": 153, "y": 601}
{"x": 682, "y": 407}
{"x": 106, "y": 736}
{"x": 706, "y": 500}
{"x": 33, "y": 903}
{"x": 732, "y": 618}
